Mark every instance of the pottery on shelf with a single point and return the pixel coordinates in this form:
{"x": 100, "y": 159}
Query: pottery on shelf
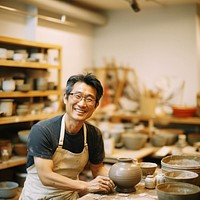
{"x": 126, "y": 174}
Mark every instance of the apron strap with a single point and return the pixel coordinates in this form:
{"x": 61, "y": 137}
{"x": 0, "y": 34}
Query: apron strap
{"x": 62, "y": 132}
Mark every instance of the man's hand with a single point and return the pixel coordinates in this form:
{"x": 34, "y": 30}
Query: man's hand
{"x": 101, "y": 184}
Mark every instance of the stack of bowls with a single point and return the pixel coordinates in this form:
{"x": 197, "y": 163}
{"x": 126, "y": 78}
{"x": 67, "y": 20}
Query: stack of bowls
{"x": 181, "y": 176}
{"x": 22, "y": 109}
{"x": 177, "y": 191}
{"x": 182, "y": 162}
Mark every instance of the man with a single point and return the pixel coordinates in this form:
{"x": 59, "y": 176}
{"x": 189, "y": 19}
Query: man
{"x": 59, "y": 148}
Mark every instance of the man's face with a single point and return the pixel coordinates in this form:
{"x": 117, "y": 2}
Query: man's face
{"x": 81, "y": 102}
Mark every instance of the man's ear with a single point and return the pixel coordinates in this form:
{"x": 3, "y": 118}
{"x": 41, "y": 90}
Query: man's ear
{"x": 65, "y": 99}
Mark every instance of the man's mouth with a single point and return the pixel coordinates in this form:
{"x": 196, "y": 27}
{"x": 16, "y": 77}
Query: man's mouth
{"x": 80, "y": 111}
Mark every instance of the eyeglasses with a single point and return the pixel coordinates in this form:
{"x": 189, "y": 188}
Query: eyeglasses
{"x": 79, "y": 96}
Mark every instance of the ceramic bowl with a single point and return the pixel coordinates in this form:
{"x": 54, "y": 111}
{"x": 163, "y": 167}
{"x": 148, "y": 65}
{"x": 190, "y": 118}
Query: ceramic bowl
{"x": 192, "y": 138}
{"x": 134, "y": 141}
{"x": 23, "y": 135}
{"x": 177, "y": 191}
{"x": 181, "y": 176}
{"x": 164, "y": 138}
{"x": 22, "y": 111}
{"x": 148, "y": 168}
{"x": 184, "y": 111}
{"x": 23, "y": 87}
{"x": 181, "y": 162}
{"x": 8, "y": 189}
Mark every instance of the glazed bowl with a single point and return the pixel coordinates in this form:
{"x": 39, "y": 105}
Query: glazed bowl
{"x": 134, "y": 141}
{"x": 23, "y": 135}
{"x": 177, "y": 191}
{"x": 184, "y": 111}
{"x": 181, "y": 176}
{"x": 182, "y": 162}
{"x": 8, "y": 189}
{"x": 148, "y": 168}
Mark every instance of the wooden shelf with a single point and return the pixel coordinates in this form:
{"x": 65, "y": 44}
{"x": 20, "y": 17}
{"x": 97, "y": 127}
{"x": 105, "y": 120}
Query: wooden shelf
{"x": 34, "y": 65}
{"x": 29, "y": 43}
{"x": 160, "y": 119}
{"x": 34, "y": 93}
{"x": 26, "y": 118}
{"x": 51, "y": 65}
{"x": 13, "y": 161}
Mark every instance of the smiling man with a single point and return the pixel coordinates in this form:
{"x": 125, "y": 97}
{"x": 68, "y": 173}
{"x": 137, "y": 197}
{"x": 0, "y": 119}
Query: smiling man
{"x": 59, "y": 148}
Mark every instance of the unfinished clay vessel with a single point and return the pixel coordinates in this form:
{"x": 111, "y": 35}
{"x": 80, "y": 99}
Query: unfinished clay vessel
{"x": 126, "y": 174}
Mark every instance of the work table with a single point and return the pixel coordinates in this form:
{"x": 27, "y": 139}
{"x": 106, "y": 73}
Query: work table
{"x": 141, "y": 193}
{"x": 134, "y": 154}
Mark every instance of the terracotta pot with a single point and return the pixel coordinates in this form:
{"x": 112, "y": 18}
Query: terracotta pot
{"x": 126, "y": 174}
{"x": 20, "y": 149}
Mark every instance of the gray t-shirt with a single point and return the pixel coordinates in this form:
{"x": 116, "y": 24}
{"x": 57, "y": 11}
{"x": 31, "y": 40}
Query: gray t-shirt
{"x": 44, "y": 138}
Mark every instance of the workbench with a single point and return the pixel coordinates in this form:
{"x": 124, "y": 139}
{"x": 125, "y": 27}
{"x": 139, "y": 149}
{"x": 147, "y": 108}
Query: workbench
{"x": 134, "y": 154}
{"x": 141, "y": 193}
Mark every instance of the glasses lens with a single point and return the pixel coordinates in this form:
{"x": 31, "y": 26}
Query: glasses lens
{"x": 78, "y": 97}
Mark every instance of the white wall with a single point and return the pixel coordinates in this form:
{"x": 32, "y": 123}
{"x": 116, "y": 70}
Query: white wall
{"x": 156, "y": 42}
{"x": 77, "y": 45}
{"x": 77, "y": 42}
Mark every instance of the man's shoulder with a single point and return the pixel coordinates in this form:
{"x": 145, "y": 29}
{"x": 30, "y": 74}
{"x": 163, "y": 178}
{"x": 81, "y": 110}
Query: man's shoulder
{"x": 50, "y": 120}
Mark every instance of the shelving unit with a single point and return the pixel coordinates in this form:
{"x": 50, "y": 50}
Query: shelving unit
{"x": 167, "y": 119}
{"x": 30, "y": 96}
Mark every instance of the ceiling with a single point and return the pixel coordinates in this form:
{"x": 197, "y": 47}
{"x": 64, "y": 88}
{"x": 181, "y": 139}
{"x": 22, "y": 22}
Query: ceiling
{"x": 106, "y": 5}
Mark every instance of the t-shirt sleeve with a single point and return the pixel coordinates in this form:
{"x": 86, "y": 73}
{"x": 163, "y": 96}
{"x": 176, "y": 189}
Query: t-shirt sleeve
{"x": 96, "y": 153}
{"x": 41, "y": 142}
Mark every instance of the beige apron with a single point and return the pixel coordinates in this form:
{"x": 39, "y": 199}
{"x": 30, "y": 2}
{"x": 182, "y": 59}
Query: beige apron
{"x": 66, "y": 163}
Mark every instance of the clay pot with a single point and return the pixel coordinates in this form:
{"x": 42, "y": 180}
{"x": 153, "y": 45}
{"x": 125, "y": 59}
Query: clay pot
{"x": 126, "y": 174}
{"x": 20, "y": 149}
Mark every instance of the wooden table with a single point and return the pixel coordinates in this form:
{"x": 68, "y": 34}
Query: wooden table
{"x": 141, "y": 193}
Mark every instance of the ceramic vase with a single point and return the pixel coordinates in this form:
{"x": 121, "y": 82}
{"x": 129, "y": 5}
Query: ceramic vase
{"x": 126, "y": 174}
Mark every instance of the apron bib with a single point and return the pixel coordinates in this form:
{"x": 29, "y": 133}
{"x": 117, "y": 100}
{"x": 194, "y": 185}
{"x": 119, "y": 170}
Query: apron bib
{"x": 66, "y": 163}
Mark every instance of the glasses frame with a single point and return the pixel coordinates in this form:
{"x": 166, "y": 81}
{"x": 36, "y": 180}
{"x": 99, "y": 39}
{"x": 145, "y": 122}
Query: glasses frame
{"x": 75, "y": 96}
